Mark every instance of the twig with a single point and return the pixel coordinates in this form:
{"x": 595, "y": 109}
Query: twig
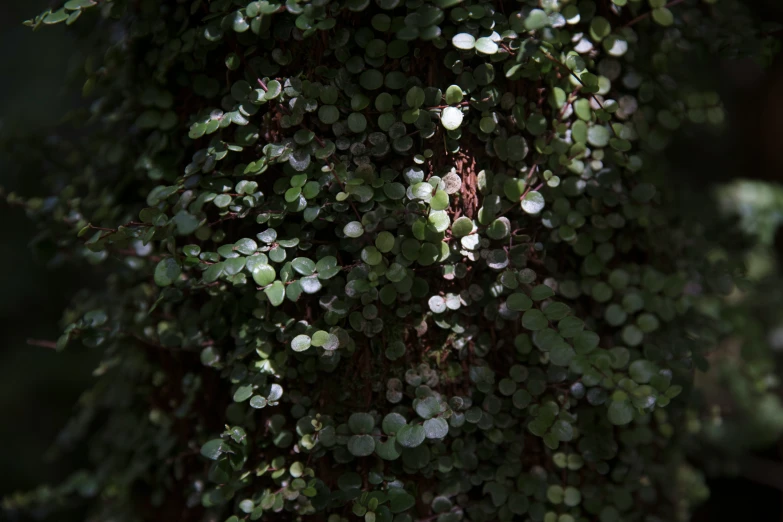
{"x": 42, "y": 343}
{"x": 460, "y": 104}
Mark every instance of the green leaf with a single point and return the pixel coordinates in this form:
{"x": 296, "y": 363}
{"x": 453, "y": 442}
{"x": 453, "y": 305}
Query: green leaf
{"x": 73, "y": 5}
{"x": 275, "y": 392}
{"x": 388, "y": 450}
{"x": 534, "y": 320}
{"x": 214, "y": 448}
{"x": 371, "y": 79}
{"x": 400, "y": 500}
{"x": 582, "y": 109}
{"x": 328, "y": 114}
{"x": 384, "y": 102}
{"x": 300, "y": 343}
{"x": 486, "y": 46}
{"x": 361, "y": 445}
{"x": 325, "y": 340}
{"x": 213, "y": 273}
{"x": 463, "y": 41}
{"x": 600, "y": 28}
{"x": 415, "y": 97}
{"x": 499, "y": 228}
{"x": 410, "y": 436}
{"x": 357, "y": 122}
{"x": 586, "y": 342}
{"x": 462, "y": 226}
{"x": 439, "y": 220}
{"x": 437, "y": 304}
{"x": 632, "y": 335}
{"x": 516, "y": 148}
{"x": 327, "y": 267}
{"x": 303, "y": 265}
{"x": 274, "y": 89}
{"x": 167, "y": 272}
{"x": 598, "y": 136}
{"x": 541, "y": 292}
{"x": 320, "y": 338}
{"x": 620, "y": 412}
{"x": 562, "y": 430}
{"x": 234, "y": 266}
{"x": 246, "y": 246}
{"x": 222, "y": 200}
{"x": 392, "y": 422}
{"x": 555, "y": 311}
{"x": 275, "y": 293}
{"x": 537, "y": 19}
{"x": 361, "y": 423}
{"x": 384, "y": 242}
{"x": 238, "y": 22}
{"x": 663, "y": 16}
{"x": 533, "y": 202}
{"x": 243, "y": 393}
{"x": 454, "y": 94}
{"x": 310, "y": 284}
{"x": 451, "y": 118}
{"x": 197, "y": 130}
{"x": 436, "y": 428}
{"x": 428, "y": 407}
{"x": 620, "y": 145}
{"x": 258, "y": 402}
{"x": 521, "y": 399}
{"x": 642, "y": 371}
{"x": 554, "y": 494}
{"x": 371, "y": 256}
{"x": 56, "y": 17}
{"x": 353, "y": 229}
{"x": 572, "y": 496}
{"x": 232, "y": 61}
{"x": 570, "y": 326}
{"x": 643, "y": 192}
{"x": 264, "y": 274}
{"x": 518, "y": 302}
{"x": 561, "y": 354}
{"x": 186, "y": 223}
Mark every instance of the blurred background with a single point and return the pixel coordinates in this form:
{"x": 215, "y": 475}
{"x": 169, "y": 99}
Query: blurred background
{"x": 39, "y": 387}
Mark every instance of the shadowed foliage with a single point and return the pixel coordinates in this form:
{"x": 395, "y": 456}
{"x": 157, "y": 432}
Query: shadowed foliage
{"x": 397, "y": 260}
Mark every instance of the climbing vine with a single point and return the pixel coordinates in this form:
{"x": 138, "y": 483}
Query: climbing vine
{"x": 388, "y": 260}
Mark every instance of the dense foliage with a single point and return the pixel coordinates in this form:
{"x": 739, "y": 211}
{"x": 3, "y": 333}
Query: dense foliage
{"x": 391, "y": 260}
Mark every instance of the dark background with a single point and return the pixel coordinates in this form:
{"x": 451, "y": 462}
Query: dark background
{"x": 39, "y": 388}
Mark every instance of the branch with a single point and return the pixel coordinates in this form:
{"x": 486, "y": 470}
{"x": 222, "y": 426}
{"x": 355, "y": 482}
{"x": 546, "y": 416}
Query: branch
{"x": 42, "y": 343}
